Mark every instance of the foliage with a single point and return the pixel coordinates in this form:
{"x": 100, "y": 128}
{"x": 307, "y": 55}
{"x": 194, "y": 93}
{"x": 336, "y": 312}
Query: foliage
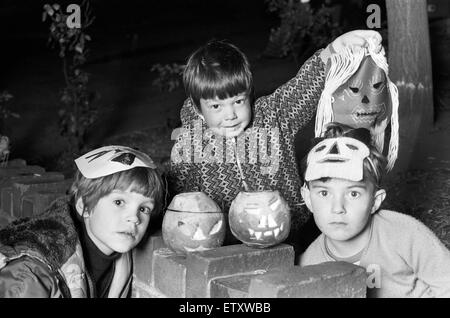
{"x": 169, "y": 76}
{"x": 78, "y": 110}
{"x": 302, "y": 30}
{"x": 5, "y": 112}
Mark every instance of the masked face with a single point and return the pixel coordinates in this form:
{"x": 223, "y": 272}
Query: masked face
{"x": 363, "y": 101}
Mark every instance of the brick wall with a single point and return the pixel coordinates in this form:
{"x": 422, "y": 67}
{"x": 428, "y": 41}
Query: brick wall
{"x": 27, "y": 190}
{"x": 238, "y": 271}
{"x": 226, "y": 272}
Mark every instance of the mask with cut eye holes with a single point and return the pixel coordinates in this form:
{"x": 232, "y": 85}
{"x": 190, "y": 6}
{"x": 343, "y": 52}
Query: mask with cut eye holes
{"x": 363, "y": 101}
{"x": 340, "y": 157}
{"x": 193, "y": 222}
{"x": 359, "y": 93}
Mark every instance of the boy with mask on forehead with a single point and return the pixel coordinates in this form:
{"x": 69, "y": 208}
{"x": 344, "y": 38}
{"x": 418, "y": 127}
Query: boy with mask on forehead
{"x": 231, "y": 141}
{"x": 81, "y": 247}
{"x": 343, "y": 190}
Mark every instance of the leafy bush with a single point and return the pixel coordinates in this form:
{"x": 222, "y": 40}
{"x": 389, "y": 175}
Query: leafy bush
{"x": 5, "y": 112}
{"x": 169, "y": 76}
{"x": 302, "y": 30}
{"x": 78, "y": 111}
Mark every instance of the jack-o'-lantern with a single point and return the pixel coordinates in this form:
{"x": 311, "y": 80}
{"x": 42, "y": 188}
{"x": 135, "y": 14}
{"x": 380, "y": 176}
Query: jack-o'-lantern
{"x": 193, "y": 222}
{"x": 260, "y": 219}
{"x": 359, "y": 93}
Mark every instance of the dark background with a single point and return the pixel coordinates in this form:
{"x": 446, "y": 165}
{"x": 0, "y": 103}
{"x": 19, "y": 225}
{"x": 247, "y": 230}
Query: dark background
{"x": 128, "y": 37}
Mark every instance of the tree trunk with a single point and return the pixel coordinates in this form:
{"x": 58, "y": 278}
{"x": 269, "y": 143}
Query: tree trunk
{"x": 410, "y": 69}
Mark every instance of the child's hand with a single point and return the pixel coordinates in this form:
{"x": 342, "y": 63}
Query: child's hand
{"x": 362, "y": 38}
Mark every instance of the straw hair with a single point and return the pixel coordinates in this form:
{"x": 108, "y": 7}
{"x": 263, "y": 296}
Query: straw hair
{"x": 343, "y": 65}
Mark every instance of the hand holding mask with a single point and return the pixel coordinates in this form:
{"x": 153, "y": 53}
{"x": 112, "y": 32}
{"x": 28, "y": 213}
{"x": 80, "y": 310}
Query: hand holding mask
{"x": 359, "y": 93}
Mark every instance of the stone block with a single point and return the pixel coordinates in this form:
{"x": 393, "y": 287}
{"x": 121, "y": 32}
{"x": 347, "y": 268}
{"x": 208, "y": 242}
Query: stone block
{"x": 142, "y": 290}
{"x": 232, "y": 260}
{"x": 231, "y": 287}
{"x": 5, "y": 219}
{"x": 169, "y": 273}
{"x": 15, "y": 163}
{"x": 37, "y": 202}
{"x": 9, "y": 171}
{"x": 143, "y": 257}
{"x": 7, "y": 201}
{"x": 41, "y": 185}
{"x": 6, "y": 182}
{"x": 326, "y": 280}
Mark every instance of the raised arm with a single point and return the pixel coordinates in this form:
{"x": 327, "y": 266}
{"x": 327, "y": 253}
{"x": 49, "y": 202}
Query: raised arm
{"x": 294, "y": 103}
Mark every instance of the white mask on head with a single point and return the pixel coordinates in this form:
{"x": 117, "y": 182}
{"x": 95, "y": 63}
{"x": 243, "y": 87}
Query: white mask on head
{"x": 111, "y": 159}
{"x": 341, "y": 157}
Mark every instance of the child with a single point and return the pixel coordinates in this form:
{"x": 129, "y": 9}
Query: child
{"x": 342, "y": 189}
{"x": 82, "y": 247}
{"x": 224, "y": 144}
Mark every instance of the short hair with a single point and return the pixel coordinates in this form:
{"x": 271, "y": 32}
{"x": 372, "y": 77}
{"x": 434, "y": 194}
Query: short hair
{"x": 145, "y": 181}
{"x": 217, "y": 69}
{"x": 373, "y": 173}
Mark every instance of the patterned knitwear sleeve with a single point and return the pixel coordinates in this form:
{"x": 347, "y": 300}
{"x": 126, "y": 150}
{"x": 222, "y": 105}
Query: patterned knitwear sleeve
{"x": 292, "y": 105}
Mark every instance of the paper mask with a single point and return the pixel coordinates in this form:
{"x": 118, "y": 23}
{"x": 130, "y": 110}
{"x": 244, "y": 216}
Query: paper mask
{"x": 111, "y": 159}
{"x": 340, "y": 157}
{"x": 359, "y": 93}
{"x": 363, "y": 102}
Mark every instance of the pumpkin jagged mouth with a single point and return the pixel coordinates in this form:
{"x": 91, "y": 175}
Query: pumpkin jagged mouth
{"x": 268, "y": 228}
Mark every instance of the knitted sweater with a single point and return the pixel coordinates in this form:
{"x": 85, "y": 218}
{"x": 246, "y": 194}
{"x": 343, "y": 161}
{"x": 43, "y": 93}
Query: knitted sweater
{"x": 403, "y": 258}
{"x": 264, "y": 152}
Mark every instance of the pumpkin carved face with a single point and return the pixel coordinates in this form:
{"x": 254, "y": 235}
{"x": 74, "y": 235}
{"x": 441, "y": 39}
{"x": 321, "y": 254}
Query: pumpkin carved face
{"x": 260, "y": 219}
{"x": 193, "y": 222}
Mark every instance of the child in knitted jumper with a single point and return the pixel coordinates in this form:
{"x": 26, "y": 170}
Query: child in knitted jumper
{"x": 231, "y": 142}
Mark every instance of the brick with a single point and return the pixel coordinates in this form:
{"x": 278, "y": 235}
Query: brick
{"x": 169, "y": 273}
{"x": 143, "y": 257}
{"x": 142, "y": 290}
{"x": 16, "y": 171}
{"x": 15, "y": 163}
{"x": 6, "y": 182}
{"x": 20, "y": 189}
{"x": 37, "y": 202}
{"x": 232, "y": 260}
{"x": 231, "y": 287}
{"x": 7, "y": 201}
{"x": 5, "y": 219}
{"x": 42, "y": 184}
{"x": 326, "y": 280}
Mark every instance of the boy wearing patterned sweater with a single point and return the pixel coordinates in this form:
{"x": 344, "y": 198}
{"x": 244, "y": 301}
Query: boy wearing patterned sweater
{"x": 231, "y": 142}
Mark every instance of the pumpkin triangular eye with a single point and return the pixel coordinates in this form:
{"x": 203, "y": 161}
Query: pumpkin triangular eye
{"x": 216, "y": 228}
{"x": 180, "y": 223}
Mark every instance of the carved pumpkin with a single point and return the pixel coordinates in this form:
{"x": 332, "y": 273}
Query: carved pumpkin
{"x": 193, "y": 222}
{"x": 260, "y": 219}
